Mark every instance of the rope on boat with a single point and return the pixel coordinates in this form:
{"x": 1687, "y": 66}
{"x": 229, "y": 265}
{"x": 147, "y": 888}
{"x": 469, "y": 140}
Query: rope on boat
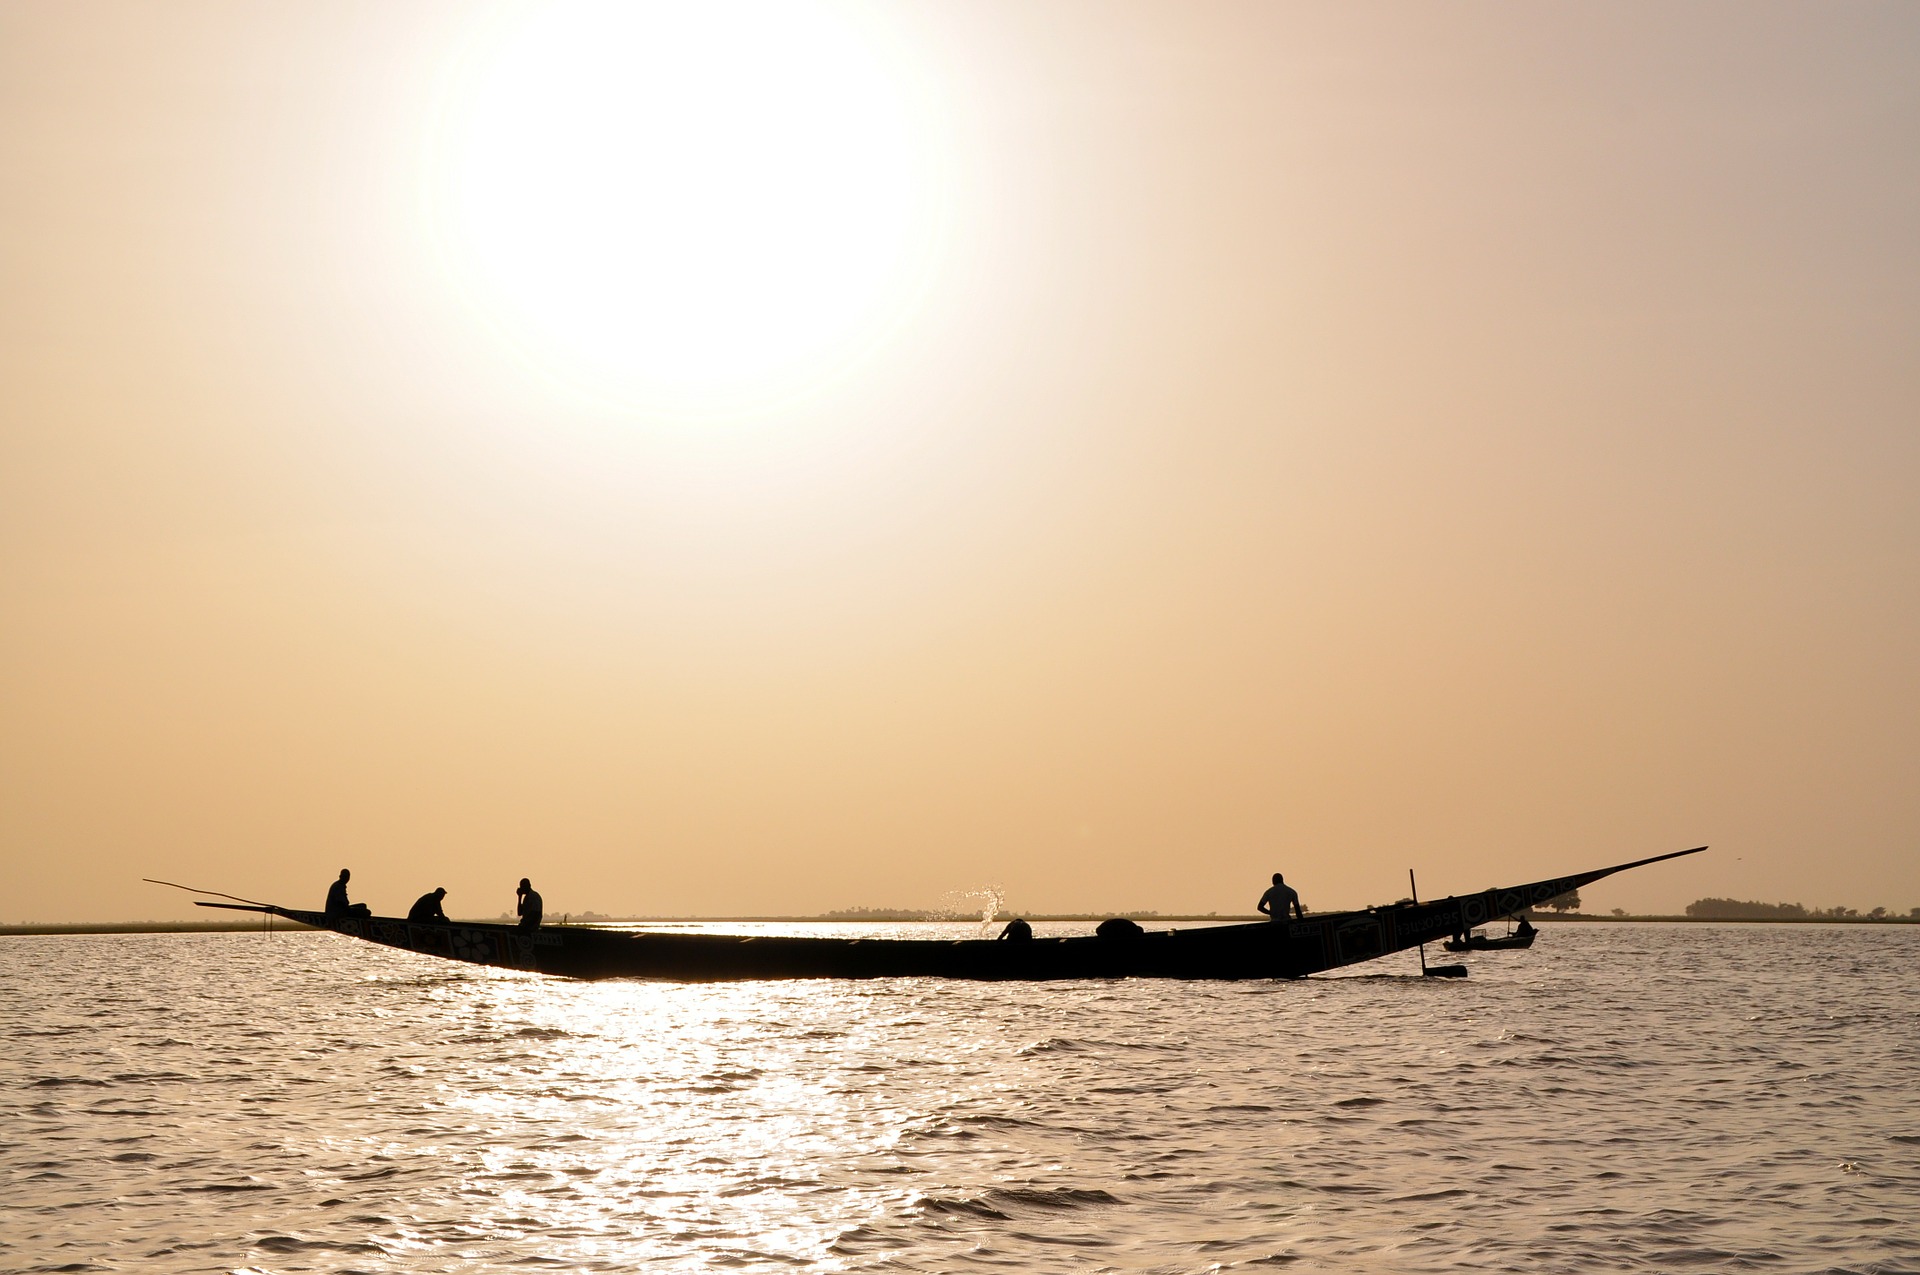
{"x": 190, "y": 889}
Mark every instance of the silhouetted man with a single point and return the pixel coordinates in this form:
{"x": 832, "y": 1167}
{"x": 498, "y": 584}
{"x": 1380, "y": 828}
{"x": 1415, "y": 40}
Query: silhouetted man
{"x": 1017, "y": 931}
{"x": 529, "y": 906}
{"x": 337, "y": 905}
{"x": 427, "y": 907}
{"x": 1278, "y": 898}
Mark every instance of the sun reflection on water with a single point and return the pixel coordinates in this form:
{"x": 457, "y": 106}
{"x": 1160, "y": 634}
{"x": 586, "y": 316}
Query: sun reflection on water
{"x": 713, "y": 1112}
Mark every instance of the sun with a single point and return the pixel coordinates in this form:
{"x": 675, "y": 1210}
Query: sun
{"x": 692, "y": 207}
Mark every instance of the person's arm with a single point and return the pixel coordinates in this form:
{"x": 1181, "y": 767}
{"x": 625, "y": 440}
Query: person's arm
{"x": 1265, "y": 906}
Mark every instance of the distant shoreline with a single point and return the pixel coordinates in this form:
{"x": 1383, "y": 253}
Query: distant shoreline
{"x": 246, "y": 927}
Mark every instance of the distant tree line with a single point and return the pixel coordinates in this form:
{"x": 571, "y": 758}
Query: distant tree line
{"x": 1740, "y": 910}
{"x": 883, "y": 914}
{"x": 922, "y": 914}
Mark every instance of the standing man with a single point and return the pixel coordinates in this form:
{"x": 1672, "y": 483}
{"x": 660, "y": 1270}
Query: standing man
{"x": 529, "y": 906}
{"x": 1279, "y": 897}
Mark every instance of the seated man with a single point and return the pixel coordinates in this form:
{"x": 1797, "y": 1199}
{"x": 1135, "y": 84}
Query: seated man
{"x": 1017, "y": 931}
{"x": 337, "y": 905}
{"x": 1278, "y": 898}
{"x": 427, "y": 907}
{"x": 529, "y": 906}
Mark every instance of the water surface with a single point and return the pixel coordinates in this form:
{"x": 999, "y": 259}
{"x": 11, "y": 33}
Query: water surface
{"x": 1622, "y": 1097}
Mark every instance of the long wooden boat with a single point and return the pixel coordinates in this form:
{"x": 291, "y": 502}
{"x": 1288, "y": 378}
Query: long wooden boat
{"x": 1266, "y": 949}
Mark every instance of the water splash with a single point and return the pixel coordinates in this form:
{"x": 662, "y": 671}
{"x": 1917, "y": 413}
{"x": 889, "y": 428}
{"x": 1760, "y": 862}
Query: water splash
{"x": 987, "y": 900}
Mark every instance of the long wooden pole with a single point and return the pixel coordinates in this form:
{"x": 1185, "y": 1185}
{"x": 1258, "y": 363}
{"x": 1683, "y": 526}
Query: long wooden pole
{"x": 1414, "y": 890}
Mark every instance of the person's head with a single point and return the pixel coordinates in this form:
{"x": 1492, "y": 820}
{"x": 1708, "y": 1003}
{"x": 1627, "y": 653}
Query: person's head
{"x": 440, "y": 892}
{"x": 1278, "y": 879}
{"x": 344, "y": 874}
{"x": 525, "y": 885}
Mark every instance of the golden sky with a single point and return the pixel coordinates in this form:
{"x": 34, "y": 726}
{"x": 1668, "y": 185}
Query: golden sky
{"x": 713, "y": 460}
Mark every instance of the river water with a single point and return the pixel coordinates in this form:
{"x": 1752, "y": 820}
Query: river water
{"x": 1621, "y": 1098}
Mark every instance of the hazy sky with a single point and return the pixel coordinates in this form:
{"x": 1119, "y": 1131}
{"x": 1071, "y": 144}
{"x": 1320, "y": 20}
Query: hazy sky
{"x": 1110, "y": 452}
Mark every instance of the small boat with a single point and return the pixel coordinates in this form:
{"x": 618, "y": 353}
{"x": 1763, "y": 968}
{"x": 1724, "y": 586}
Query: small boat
{"x": 1264, "y": 949}
{"x": 1490, "y": 943}
{"x": 1517, "y": 941}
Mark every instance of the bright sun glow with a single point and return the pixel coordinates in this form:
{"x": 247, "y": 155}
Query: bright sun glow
{"x": 700, "y": 206}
